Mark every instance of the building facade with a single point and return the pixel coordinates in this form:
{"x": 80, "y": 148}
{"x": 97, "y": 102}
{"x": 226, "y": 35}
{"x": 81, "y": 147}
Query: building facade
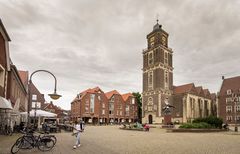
{"x": 17, "y": 92}
{"x": 131, "y": 107}
{"x": 191, "y": 102}
{"x": 62, "y": 115}
{"x": 37, "y": 99}
{"x": 228, "y": 100}
{"x": 157, "y": 75}
{"x": 95, "y": 106}
{"x": 4, "y": 60}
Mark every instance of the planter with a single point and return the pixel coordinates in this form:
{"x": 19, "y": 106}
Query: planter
{"x": 183, "y": 130}
{"x": 132, "y": 129}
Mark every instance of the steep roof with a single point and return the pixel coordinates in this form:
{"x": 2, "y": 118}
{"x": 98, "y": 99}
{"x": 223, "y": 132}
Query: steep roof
{"x": 183, "y": 88}
{"x": 4, "y": 30}
{"x": 199, "y": 91}
{"x": 24, "y": 77}
{"x": 230, "y": 83}
{"x": 213, "y": 96}
{"x": 90, "y": 90}
{"x": 125, "y": 96}
{"x": 110, "y": 93}
{"x": 207, "y": 93}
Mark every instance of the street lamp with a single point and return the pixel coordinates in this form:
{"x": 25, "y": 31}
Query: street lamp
{"x": 54, "y": 95}
{"x": 234, "y": 99}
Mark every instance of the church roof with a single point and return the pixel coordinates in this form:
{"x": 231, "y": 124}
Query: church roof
{"x": 156, "y": 27}
{"x": 183, "y": 88}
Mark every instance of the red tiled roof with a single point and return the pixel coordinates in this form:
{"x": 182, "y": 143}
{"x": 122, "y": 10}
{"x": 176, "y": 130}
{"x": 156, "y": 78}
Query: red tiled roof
{"x": 89, "y": 90}
{"x": 230, "y": 83}
{"x": 24, "y": 77}
{"x": 125, "y": 96}
{"x": 110, "y": 93}
{"x": 183, "y": 88}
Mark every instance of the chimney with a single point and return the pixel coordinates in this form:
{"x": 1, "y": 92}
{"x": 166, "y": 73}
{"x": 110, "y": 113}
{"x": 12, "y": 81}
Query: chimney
{"x": 222, "y": 77}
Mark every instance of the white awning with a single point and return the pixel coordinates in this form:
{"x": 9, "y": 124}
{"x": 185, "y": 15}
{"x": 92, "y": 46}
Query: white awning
{"x": 40, "y": 113}
{"x": 5, "y": 104}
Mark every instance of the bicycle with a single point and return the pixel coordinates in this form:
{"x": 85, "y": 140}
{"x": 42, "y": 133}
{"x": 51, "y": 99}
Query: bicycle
{"x": 29, "y": 141}
{"x": 6, "y": 130}
{"x": 53, "y": 137}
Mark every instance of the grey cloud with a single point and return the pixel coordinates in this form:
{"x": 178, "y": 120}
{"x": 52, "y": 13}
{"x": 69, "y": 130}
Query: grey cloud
{"x": 99, "y": 43}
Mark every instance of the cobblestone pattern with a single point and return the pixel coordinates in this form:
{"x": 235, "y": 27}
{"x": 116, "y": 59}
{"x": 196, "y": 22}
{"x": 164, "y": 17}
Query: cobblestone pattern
{"x": 111, "y": 140}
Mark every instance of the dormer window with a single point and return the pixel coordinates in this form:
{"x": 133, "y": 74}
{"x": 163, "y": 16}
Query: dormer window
{"x": 229, "y": 92}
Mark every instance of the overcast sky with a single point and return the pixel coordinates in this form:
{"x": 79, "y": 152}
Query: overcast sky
{"x": 88, "y": 43}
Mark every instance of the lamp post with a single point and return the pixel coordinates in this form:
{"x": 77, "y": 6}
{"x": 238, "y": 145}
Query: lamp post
{"x": 54, "y": 95}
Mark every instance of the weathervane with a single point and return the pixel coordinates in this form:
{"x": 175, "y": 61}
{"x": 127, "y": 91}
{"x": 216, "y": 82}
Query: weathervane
{"x": 157, "y": 18}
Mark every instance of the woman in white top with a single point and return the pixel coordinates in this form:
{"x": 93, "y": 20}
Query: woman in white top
{"x": 79, "y": 127}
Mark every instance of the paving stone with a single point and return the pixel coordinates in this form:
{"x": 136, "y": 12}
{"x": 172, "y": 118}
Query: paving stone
{"x": 111, "y": 140}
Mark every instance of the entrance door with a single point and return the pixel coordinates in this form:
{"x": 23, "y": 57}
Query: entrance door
{"x": 150, "y": 119}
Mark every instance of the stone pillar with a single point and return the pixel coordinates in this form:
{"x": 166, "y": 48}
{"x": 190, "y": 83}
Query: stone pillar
{"x": 184, "y": 100}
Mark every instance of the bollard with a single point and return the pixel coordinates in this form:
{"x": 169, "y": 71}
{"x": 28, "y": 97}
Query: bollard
{"x": 236, "y": 129}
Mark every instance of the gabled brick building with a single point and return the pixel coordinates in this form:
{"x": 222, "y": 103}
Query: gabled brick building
{"x": 116, "y": 106}
{"x": 90, "y": 105}
{"x": 95, "y": 106}
{"x": 131, "y": 108}
{"x": 229, "y": 100}
{"x": 36, "y": 97}
{"x": 61, "y": 114}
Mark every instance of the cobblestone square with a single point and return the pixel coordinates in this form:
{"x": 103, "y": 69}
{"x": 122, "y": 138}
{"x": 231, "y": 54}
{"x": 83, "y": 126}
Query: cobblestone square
{"x": 110, "y": 139}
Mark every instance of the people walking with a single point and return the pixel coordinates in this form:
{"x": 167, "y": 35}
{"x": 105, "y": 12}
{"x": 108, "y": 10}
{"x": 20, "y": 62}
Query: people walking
{"x": 79, "y": 127}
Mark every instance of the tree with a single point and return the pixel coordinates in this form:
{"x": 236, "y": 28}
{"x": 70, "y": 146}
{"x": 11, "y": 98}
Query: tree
{"x": 139, "y": 102}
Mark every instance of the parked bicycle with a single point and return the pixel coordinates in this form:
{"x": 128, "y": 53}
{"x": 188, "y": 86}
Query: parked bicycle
{"x": 29, "y": 141}
{"x": 53, "y": 137}
{"x": 5, "y": 130}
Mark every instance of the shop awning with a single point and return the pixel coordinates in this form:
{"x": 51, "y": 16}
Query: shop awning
{"x": 5, "y": 104}
{"x": 40, "y": 113}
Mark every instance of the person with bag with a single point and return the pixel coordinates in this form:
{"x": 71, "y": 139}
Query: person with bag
{"x": 79, "y": 127}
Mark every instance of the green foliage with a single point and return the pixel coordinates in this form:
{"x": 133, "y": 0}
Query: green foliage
{"x": 196, "y": 125}
{"x": 211, "y": 120}
{"x": 139, "y": 102}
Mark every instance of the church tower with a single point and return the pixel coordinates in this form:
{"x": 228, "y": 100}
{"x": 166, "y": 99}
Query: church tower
{"x": 157, "y": 76}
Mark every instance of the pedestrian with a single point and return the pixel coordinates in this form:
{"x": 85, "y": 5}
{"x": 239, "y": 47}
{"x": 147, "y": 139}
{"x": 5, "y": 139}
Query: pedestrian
{"x": 79, "y": 127}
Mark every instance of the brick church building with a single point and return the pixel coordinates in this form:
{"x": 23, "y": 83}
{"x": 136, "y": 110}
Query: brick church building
{"x": 191, "y": 102}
